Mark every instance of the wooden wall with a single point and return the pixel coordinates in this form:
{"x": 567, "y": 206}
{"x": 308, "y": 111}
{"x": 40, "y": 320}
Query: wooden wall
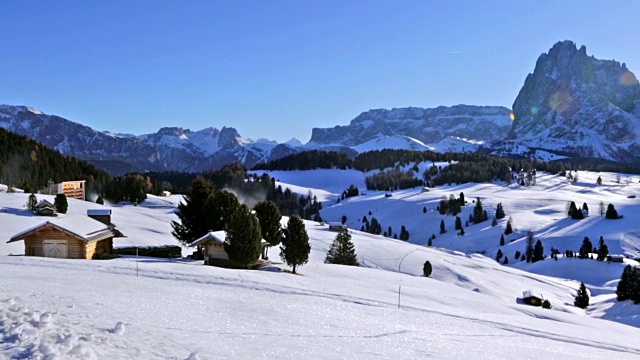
{"x": 76, "y": 248}
{"x": 215, "y": 250}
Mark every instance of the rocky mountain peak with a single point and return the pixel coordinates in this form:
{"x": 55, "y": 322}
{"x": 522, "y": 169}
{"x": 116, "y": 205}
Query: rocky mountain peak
{"x": 570, "y": 96}
{"x": 229, "y": 138}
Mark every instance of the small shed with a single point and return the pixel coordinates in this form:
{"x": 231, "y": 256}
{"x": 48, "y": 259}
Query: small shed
{"x": 213, "y": 248}
{"x": 533, "y": 298}
{"x": 70, "y": 237}
{"x": 45, "y": 208}
{"x": 102, "y": 215}
{"x": 336, "y": 226}
{"x": 615, "y": 258}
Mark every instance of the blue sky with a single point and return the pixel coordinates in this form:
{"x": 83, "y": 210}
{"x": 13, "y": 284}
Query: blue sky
{"x": 276, "y": 69}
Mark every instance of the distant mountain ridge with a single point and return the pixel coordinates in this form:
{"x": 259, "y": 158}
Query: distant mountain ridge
{"x": 572, "y": 104}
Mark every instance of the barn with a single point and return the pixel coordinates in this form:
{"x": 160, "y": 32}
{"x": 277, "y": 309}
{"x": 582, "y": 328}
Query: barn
{"x": 69, "y": 237}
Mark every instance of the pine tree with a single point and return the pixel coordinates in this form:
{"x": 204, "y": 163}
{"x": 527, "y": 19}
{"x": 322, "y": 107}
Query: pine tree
{"x": 462, "y": 233}
{"x": 603, "y": 250}
{"x": 442, "y": 229}
{"x": 458, "y": 223}
{"x": 625, "y": 285}
{"x": 500, "y": 212}
{"x": 404, "y": 234}
{"x": 529, "y": 246}
{"x": 344, "y": 219}
{"x": 218, "y": 207}
{"x": 430, "y": 242}
{"x": 582, "y": 297}
{"x": 499, "y": 255}
{"x": 508, "y": 230}
{"x": 243, "y": 239}
{"x": 295, "y": 247}
{"x": 538, "y": 252}
{"x": 461, "y": 199}
{"x": 585, "y": 248}
{"x": 599, "y": 181}
{"x": 342, "y": 251}
{"x": 502, "y": 240}
{"x": 494, "y": 222}
{"x": 427, "y": 269}
{"x": 269, "y": 218}
{"x": 61, "y": 204}
{"x": 506, "y": 260}
{"x": 612, "y": 213}
{"x": 191, "y": 212}
{"x": 31, "y": 202}
{"x": 424, "y": 210}
{"x": 478, "y": 213}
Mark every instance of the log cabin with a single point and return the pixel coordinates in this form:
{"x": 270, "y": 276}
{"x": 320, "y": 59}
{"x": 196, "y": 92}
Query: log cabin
{"x": 69, "y": 237}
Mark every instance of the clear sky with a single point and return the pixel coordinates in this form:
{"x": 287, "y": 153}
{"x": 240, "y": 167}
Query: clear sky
{"x": 276, "y": 69}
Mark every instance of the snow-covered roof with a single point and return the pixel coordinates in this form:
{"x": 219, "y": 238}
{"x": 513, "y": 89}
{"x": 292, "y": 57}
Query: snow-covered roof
{"x": 616, "y": 256}
{"x": 219, "y": 237}
{"x": 531, "y": 293}
{"x": 43, "y": 203}
{"x": 97, "y": 212}
{"x": 82, "y": 227}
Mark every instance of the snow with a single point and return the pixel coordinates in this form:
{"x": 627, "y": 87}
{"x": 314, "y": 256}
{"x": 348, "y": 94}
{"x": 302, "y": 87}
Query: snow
{"x": 392, "y": 142}
{"x": 468, "y": 308}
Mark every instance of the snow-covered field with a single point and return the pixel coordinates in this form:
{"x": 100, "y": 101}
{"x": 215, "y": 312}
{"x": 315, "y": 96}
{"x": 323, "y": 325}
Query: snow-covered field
{"x": 150, "y": 308}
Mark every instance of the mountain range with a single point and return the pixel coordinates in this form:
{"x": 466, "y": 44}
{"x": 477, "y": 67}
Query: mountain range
{"x": 572, "y": 104}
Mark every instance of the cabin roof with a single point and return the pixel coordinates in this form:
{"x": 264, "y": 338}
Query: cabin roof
{"x": 44, "y": 203}
{"x": 98, "y": 212}
{"x": 531, "y": 293}
{"x": 219, "y": 237}
{"x": 82, "y": 227}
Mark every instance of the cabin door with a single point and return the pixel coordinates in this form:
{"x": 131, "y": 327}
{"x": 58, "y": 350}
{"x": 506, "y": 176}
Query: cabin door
{"x": 55, "y": 248}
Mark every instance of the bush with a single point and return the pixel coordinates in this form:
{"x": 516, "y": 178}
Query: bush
{"x": 427, "y": 269}
{"x": 546, "y": 304}
{"x": 168, "y": 251}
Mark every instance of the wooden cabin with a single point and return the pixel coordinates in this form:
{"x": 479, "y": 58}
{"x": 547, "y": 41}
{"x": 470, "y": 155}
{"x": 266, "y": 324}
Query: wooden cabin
{"x": 69, "y": 237}
{"x": 213, "y": 248}
{"x": 45, "y": 208}
{"x": 615, "y": 258}
{"x": 533, "y": 298}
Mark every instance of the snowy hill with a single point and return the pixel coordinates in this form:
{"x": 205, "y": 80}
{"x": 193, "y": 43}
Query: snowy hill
{"x": 329, "y": 311}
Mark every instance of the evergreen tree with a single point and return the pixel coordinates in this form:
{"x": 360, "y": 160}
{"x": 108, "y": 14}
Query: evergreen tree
{"x": 585, "y": 248}
{"x": 100, "y": 200}
{"x": 601, "y": 208}
{"x": 61, "y": 204}
{"x": 404, "y": 234}
{"x": 427, "y": 269}
{"x": 574, "y": 212}
{"x": 599, "y": 181}
{"x": 538, "y": 252}
{"x": 461, "y": 199}
{"x": 546, "y": 304}
{"x": 430, "y": 242}
{"x": 442, "y": 229}
{"x": 500, "y": 212}
{"x": 344, "y": 219}
{"x": 626, "y": 284}
{"x": 462, "y": 233}
{"x": 219, "y": 206}
{"x": 582, "y": 297}
{"x": 458, "y": 224}
{"x": 31, "y": 202}
{"x": 499, "y": 255}
{"x": 506, "y": 260}
{"x": 502, "y": 240}
{"x": 478, "y": 213}
{"x": 485, "y": 216}
{"x": 269, "y": 218}
{"x": 494, "y": 222}
{"x": 295, "y": 247}
{"x": 342, "y": 251}
{"x": 243, "y": 239}
{"x": 585, "y": 207}
{"x": 508, "y": 230}
{"x": 529, "y": 246}
{"x": 612, "y": 213}
{"x": 191, "y": 212}
{"x": 603, "y": 250}
{"x": 424, "y": 210}
{"x": 517, "y": 255}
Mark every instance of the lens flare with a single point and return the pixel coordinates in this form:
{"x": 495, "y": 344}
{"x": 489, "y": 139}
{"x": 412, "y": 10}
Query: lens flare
{"x": 512, "y": 117}
{"x": 533, "y": 110}
{"x": 559, "y": 101}
{"x": 627, "y": 78}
